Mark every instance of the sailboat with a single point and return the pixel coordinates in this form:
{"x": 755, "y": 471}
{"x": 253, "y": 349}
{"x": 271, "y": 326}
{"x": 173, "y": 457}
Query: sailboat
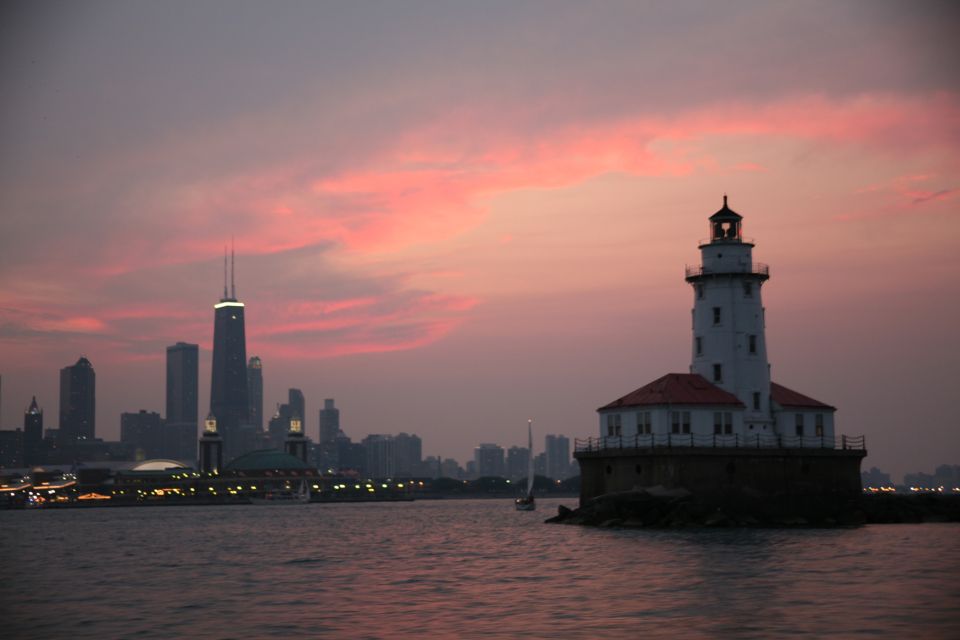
{"x": 526, "y": 502}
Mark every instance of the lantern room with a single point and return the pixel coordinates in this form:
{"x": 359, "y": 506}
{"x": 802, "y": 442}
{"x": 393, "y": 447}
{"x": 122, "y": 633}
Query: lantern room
{"x": 725, "y": 225}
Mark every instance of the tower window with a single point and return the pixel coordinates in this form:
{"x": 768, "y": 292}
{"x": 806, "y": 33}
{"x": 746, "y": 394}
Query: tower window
{"x": 716, "y": 315}
{"x": 752, "y": 341}
{"x": 800, "y": 424}
{"x": 699, "y": 289}
{"x": 718, "y": 373}
{"x": 756, "y": 400}
{"x": 747, "y": 289}
{"x": 698, "y": 344}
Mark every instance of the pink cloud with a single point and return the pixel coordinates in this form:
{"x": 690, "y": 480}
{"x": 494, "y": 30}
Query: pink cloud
{"x": 428, "y": 184}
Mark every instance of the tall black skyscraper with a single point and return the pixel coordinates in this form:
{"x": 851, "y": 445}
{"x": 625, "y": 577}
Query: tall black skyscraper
{"x": 32, "y": 433}
{"x": 77, "y": 403}
{"x": 182, "y": 383}
{"x": 298, "y": 406}
{"x": 179, "y": 433}
{"x": 255, "y": 391}
{"x": 229, "y": 402}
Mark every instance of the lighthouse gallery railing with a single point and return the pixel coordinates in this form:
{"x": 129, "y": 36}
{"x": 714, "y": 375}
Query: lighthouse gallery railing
{"x": 718, "y": 441}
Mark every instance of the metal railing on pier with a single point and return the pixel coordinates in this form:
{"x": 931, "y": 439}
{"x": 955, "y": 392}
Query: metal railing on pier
{"x": 718, "y": 441}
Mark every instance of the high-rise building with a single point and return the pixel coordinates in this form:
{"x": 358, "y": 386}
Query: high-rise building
{"x": 329, "y": 422}
{"x": 11, "y": 449}
{"x": 77, "y": 403}
{"x": 489, "y": 460}
{"x": 255, "y": 391}
{"x": 381, "y": 456}
{"x": 518, "y": 462}
{"x": 32, "y": 433}
{"x": 298, "y": 406}
{"x": 408, "y": 450}
{"x": 557, "y": 450}
{"x": 182, "y": 383}
{"x": 143, "y": 433}
{"x": 229, "y": 402}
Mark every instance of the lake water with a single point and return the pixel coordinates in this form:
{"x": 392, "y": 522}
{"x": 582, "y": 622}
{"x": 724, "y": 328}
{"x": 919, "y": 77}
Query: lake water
{"x": 470, "y": 568}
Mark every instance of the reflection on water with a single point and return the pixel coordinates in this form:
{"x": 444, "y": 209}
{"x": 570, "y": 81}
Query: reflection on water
{"x": 460, "y": 568}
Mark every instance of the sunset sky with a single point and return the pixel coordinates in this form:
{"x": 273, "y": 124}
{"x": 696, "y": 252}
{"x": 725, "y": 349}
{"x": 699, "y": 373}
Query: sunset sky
{"x": 453, "y": 216}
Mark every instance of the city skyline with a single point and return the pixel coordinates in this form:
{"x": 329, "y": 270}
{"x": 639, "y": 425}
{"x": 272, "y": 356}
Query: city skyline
{"x": 437, "y": 209}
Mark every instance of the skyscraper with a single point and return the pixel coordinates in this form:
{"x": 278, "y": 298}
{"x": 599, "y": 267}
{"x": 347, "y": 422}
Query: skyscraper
{"x": 143, "y": 433}
{"x": 229, "y": 402}
{"x": 182, "y": 384}
{"x": 255, "y": 391}
{"x": 298, "y": 406}
{"x": 329, "y": 422}
{"x": 557, "y": 450}
{"x": 77, "y": 403}
{"x": 32, "y": 433}
{"x": 179, "y": 433}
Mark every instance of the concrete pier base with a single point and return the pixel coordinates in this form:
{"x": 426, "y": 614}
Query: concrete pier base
{"x": 722, "y": 474}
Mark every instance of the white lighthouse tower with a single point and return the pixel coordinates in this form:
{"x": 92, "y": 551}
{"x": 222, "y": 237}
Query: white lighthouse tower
{"x": 729, "y": 346}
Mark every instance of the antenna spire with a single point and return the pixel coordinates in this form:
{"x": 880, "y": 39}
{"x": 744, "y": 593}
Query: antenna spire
{"x": 224, "y": 272}
{"x": 233, "y": 287}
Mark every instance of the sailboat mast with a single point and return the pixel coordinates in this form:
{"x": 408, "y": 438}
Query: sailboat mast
{"x": 530, "y": 462}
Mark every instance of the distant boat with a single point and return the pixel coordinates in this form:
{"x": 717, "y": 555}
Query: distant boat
{"x": 526, "y": 502}
{"x": 301, "y": 496}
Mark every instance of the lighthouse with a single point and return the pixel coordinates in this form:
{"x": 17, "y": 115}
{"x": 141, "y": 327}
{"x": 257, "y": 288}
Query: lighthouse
{"x": 723, "y": 429}
{"x": 729, "y": 347}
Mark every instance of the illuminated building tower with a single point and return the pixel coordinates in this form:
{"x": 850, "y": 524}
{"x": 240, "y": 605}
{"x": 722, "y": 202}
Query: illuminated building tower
{"x": 229, "y": 401}
{"x": 298, "y": 406}
{"x": 77, "y": 403}
{"x": 211, "y": 447}
{"x": 32, "y": 433}
{"x": 255, "y": 391}
{"x": 296, "y": 444}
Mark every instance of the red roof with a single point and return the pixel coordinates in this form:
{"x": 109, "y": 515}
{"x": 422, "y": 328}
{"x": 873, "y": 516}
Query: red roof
{"x": 676, "y": 388}
{"x": 790, "y": 398}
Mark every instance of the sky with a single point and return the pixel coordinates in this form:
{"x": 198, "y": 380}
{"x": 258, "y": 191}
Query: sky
{"x": 455, "y": 216}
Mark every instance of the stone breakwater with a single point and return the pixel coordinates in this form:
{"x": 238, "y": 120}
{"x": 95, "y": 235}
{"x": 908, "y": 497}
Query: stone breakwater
{"x": 676, "y": 509}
